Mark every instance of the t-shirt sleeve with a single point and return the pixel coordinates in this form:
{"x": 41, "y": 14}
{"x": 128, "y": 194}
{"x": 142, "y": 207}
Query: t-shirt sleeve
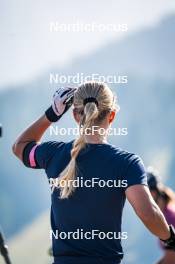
{"x": 135, "y": 172}
{"x": 37, "y": 156}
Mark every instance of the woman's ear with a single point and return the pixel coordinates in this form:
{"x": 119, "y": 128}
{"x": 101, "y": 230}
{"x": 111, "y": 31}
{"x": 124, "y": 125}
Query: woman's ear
{"x": 111, "y": 116}
{"x": 76, "y": 116}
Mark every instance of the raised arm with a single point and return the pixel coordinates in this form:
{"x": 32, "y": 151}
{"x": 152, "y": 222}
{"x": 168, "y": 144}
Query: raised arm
{"x": 62, "y": 100}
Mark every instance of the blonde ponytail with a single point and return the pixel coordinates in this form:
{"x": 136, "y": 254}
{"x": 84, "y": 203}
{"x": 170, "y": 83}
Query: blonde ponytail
{"x": 92, "y": 113}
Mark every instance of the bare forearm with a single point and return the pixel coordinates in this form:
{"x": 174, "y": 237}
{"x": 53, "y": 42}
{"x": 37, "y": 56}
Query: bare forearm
{"x": 148, "y": 211}
{"x": 33, "y": 133}
{"x": 156, "y": 223}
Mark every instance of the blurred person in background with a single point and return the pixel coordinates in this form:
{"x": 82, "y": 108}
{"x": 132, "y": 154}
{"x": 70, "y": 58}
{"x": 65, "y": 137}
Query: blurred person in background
{"x": 165, "y": 199}
{"x": 88, "y": 157}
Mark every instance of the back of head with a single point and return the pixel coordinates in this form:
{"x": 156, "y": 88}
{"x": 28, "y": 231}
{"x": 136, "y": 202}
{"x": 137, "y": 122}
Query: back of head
{"x": 92, "y": 102}
{"x": 102, "y": 101}
{"x": 153, "y": 179}
{"x": 156, "y": 185}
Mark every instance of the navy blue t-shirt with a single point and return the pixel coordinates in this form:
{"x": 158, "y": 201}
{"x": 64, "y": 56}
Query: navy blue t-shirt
{"x": 86, "y": 227}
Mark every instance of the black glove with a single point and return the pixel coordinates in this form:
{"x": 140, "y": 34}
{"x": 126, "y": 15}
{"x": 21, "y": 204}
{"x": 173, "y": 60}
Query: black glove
{"x": 62, "y": 101}
{"x": 170, "y": 242}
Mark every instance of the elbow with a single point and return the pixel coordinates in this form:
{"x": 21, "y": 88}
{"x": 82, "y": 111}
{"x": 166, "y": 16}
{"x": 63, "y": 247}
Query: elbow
{"x": 18, "y": 148}
{"x": 14, "y": 149}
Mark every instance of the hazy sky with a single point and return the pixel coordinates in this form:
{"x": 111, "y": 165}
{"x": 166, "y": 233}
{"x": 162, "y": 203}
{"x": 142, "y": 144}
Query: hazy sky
{"x": 27, "y": 46}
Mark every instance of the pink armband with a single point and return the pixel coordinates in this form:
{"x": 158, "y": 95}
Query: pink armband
{"x": 32, "y": 156}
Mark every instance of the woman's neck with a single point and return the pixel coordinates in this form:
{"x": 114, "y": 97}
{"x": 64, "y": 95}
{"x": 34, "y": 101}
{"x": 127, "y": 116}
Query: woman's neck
{"x": 92, "y": 139}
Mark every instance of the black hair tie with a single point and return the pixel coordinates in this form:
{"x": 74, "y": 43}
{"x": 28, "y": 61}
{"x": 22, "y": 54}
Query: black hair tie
{"x": 90, "y": 100}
